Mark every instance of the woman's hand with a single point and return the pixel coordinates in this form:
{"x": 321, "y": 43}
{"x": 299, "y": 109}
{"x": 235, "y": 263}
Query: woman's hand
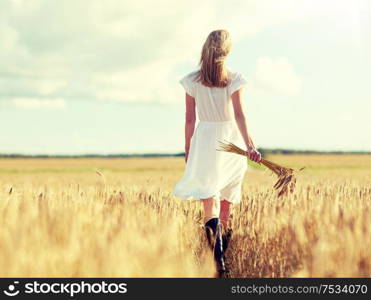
{"x": 254, "y": 155}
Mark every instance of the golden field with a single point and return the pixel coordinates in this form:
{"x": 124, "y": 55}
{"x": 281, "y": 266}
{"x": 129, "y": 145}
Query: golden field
{"x": 59, "y": 217}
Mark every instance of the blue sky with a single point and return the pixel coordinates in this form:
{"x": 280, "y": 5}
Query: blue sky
{"x": 83, "y": 77}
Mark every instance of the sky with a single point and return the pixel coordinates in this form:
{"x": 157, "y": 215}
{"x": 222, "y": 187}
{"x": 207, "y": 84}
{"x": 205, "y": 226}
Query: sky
{"x": 94, "y": 76}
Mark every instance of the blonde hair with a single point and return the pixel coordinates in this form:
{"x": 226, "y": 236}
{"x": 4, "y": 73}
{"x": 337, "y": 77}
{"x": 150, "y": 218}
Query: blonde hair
{"x": 216, "y": 48}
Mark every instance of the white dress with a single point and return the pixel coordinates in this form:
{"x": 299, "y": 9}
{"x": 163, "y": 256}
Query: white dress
{"x": 208, "y": 172}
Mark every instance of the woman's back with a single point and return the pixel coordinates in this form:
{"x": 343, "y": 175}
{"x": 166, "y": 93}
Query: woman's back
{"x": 213, "y": 103}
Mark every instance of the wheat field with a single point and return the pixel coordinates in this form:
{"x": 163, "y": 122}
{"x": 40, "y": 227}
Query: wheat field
{"x": 117, "y": 218}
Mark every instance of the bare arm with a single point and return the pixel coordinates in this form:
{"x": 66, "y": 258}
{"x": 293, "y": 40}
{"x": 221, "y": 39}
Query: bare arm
{"x": 240, "y": 117}
{"x": 190, "y": 121}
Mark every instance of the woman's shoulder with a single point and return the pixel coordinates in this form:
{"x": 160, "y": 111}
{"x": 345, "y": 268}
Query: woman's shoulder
{"x": 237, "y": 81}
{"x": 188, "y": 82}
{"x": 190, "y": 76}
{"x": 236, "y": 76}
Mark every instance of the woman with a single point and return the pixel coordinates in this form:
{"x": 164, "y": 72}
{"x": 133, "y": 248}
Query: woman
{"x": 215, "y": 177}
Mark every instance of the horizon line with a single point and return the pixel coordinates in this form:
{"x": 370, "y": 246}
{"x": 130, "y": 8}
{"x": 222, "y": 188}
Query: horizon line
{"x": 264, "y": 151}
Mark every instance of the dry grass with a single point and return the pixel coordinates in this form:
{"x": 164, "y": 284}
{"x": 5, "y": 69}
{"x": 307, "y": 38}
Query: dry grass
{"x": 96, "y": 217}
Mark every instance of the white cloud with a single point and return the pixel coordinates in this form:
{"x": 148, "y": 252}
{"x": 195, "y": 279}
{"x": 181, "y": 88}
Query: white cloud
{"x": 119, "y": 50}
{"x": 276, "y": 75}
{"x": 31, "y": 103}
{"x": 146, "y": 83}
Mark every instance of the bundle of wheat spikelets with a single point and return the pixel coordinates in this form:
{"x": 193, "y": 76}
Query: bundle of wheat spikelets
{"x": 286, "y": 179}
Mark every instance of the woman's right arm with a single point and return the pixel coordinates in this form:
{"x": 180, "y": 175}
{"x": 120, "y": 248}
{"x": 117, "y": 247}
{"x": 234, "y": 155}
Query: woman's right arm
{"x": 240, "y": 117}
{"x": 189, "y": 122}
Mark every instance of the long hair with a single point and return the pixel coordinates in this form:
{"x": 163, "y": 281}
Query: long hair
{"x": 213, "y": 72}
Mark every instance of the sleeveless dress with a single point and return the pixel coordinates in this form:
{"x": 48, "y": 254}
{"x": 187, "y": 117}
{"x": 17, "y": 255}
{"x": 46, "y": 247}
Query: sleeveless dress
{"x": 208, "y": 172}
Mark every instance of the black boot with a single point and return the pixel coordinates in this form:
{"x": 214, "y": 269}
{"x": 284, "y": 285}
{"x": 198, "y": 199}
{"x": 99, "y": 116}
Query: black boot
{"x": 214, "y": 229}
{"x": 227, "y": 235}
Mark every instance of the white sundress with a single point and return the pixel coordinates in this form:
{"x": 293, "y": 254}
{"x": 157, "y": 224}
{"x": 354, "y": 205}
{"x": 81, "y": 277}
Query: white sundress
{"x": 208, "y": 172}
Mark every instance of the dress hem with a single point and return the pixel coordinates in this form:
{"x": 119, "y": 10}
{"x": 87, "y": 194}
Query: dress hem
{"x": 197, "y": 197}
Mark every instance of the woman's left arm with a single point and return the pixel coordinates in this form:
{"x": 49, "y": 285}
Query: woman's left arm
{"x": 190, "y": 121}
